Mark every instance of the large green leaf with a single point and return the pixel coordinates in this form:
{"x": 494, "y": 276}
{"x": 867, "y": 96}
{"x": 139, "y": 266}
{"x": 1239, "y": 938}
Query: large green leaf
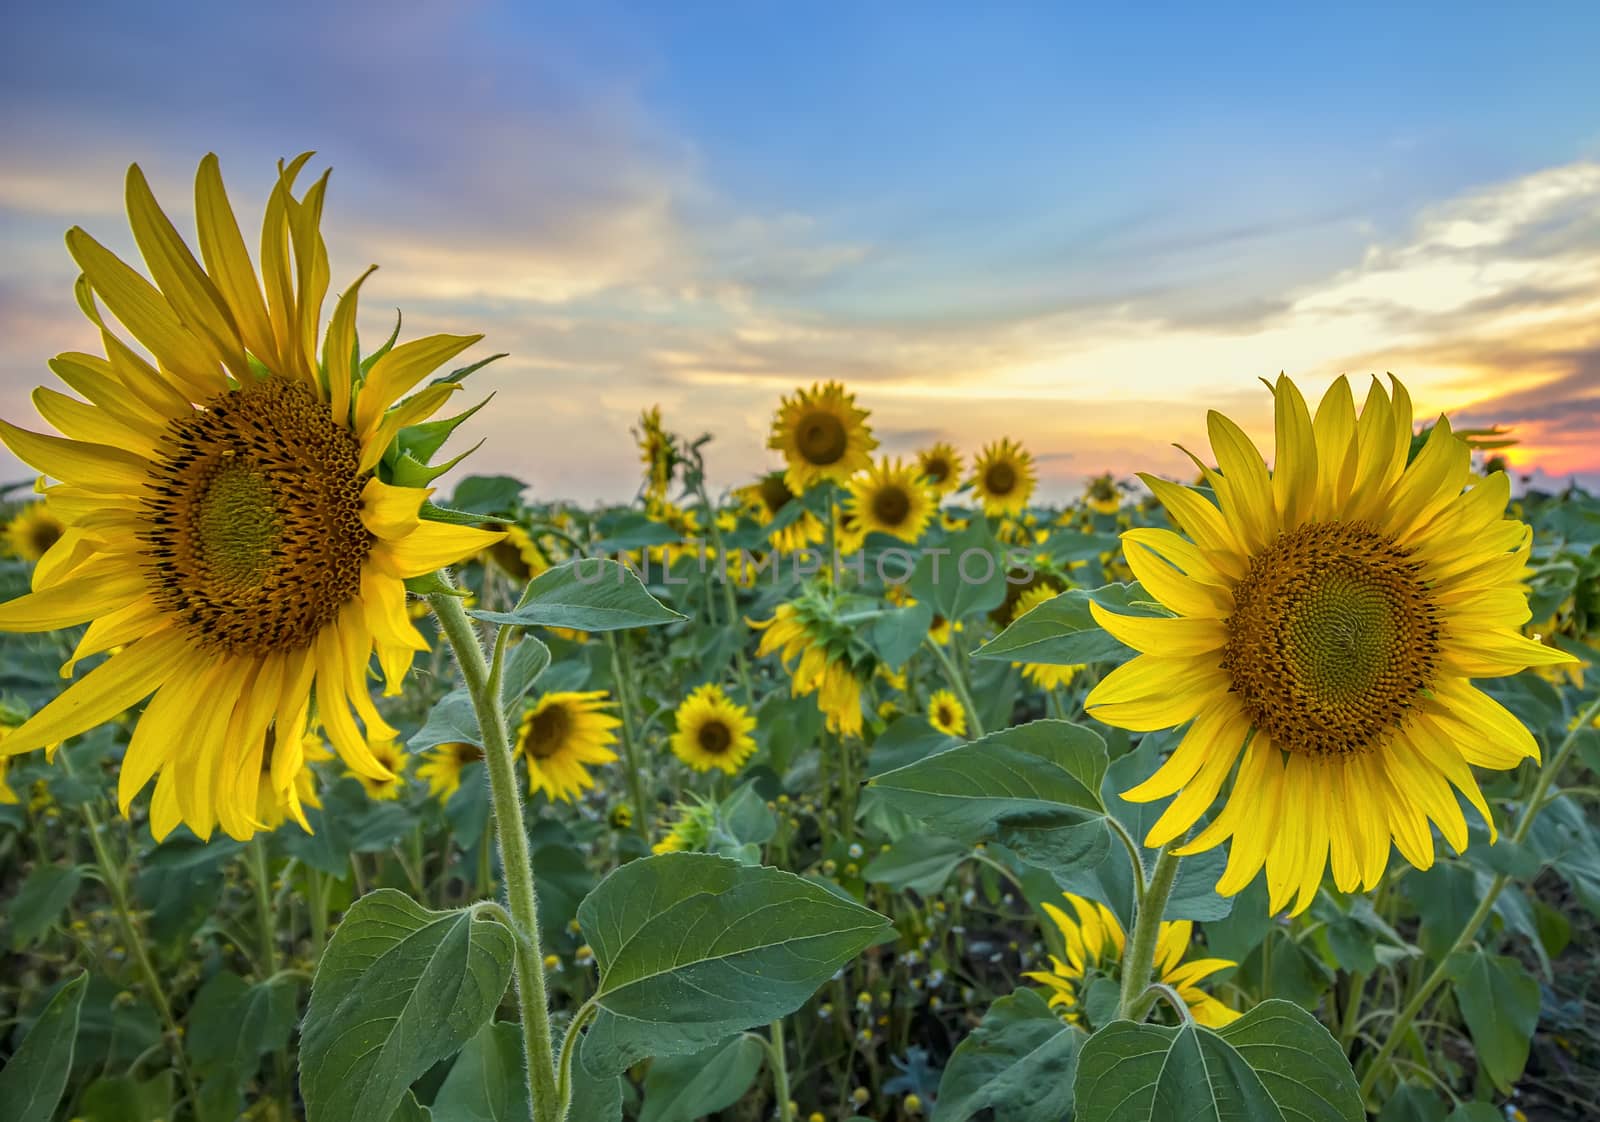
{"x": 1275, "y": 1064}
{"x": 40, "y": 902}
{"x": 1018, "y": 1062}
{"x": 398, "y": 989}
{"x": 964, "y": 577}
{"x": 489, "y": 1080}
{"x": 33, "y": 1079}
{"x": 1061, "y": 632}
{"x": 180, "y": 880}
{"x": 919, "y": 862}
{"x": 693, "y": 948}
{"x": 687, "y": 1088}
{"x": 232, "y": 1023}
{"x": 1499, "y": 1000}
{"x": 586, "y": 595}
{"x": 123, "y": 1098}
{"x": 1042, "y": 768}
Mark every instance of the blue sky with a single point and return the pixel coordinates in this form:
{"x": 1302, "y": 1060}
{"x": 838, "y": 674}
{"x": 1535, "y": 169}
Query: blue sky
{"x": 1078, "y": 224}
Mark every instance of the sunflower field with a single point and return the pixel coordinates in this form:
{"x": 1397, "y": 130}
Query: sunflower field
{"x": 336, "y": 787}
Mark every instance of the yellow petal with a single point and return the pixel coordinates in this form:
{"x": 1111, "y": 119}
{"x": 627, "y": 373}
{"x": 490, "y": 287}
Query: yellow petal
{"x": 228, "y": 262}
{"x": 397, "y": 372}
{"x": 431, "y": 546}
{"x": 73, "y": 461}
{"x": 1171, "y": 638}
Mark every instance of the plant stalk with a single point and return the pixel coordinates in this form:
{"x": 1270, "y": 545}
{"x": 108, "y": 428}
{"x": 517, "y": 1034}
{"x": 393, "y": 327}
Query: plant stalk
{"x": 1139, "y": 961}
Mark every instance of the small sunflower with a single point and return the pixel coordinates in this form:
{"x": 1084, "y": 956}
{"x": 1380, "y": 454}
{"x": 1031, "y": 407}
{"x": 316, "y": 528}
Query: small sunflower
{"x": 1094, "y": 944}
{"x": 516, "y": 554}
{"x": 889, "y": 498}
{"x": 560, "y": 736}
{"x": 658, "y": 450}
{"x": 822, "y": 435}
{"x": 274, "y": 807}
{"x": 394, "y": 760}
{"x": 32, "y": 531}
{"x": 1330, "y": 615}
{"x": 691, "y": 830}
{"x": 713, "y": 731}
{"x": 946, "y": 714}
{"x": 1041, "y": 674}
{"x": 769, "y": 495}
{"x": 233, "y": 518}
{"x": 1003, "y": 479}
{"x": 443, "y": 765}
{"x": 828, "y": 665}
{"x": 940, "y": 467}
{"x": 940, "y": 630}
{"x": 1102, "y": 494}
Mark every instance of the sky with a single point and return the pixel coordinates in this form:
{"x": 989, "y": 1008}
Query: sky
{"x": 1077, "y": 225}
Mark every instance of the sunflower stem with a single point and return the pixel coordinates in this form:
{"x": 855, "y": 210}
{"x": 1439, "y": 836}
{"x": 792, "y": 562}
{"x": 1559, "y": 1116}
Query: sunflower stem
{"x": 1533, "y": 804}
{"x": 630, "y": 751}
{"x": 958, "y": 683}
{"x": 780, "y": 1070}
{"x": 1139, "y": 962}
{"x": 730, "y": 600}
{"x": 483, "y": 685}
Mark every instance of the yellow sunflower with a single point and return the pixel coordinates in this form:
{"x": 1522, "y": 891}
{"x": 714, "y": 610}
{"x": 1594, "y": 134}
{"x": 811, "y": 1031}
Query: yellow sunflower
{"x": 940, "y": 629}
{"x": 713, "y": 731}
{"x": 560, "y": 736}
{"x": 691, "y": 830}
{"x": 32, "y": 531}
{"x": 516, "y": 554}
{"x": 1330, "y": 616}
{"x": 230, "y": 518}
{"x": 800, "y": 630}
{"x": 1041, "y": 674}
{"x": 940, "y": 467}
{"x": 889, "y": 498}
{"x": 1003, "y": 479}
{"x": 274, "y": 807}
{"x": 1094, "y": 944}
{"x": 946, "y": 714}
{"x": 658, "y": 451}
{"x": 392, "y": 784}
{"x": 822, "y": 435}
{"x": 443, "y": 765}
{"x": 1102, "y": 494}
{"x": 763, "y": 500}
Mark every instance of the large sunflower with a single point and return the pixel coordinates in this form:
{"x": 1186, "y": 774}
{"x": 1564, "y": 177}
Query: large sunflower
{"x": 560, "y": 735}
{"x": 1330, "y": 615}
{"x": 822, "y": 435}
{"x": 32, "y": 531}
{"x": 890, "y": 498}
{"x": 713, "y": 731}
{"x": 230, "y": 521}
{"x": 940, "y": 466}
{"x": 1094, "y": 944}
{"x": 1002, "y": 479}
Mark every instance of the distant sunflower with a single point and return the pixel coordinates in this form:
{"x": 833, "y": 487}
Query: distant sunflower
{"x": 32, "y": 531}
{"x": 889, "y": 498}
{"x": 560, "y": 736}
{"x": 765, "y": 499}
{"x": 442, "y": 767}
{"x": 1330, "y": 614}
{"x": 822, "y": 435}
{"x": 231, "y": 521}
{"x": 275, "y": 806}
{"x": 1042, "y": 674}
{"x": 658, "y": 450}
{"x": 946, "y": 714}
{"x": 827, "y": 667}
{"x": 394, "y": 760}
{"x": 1094, "y": 944}
{"x": 940, "y": 630}
{"x": 940, "y": 467}
{"x": 1002, "y": 478}
{"x": 1102, "y": 494}
{"x": 713, "y": 731}
{"x": 516, "y": 554}
{"x": 691, "y": 829}
{"x": 848, "y": 534}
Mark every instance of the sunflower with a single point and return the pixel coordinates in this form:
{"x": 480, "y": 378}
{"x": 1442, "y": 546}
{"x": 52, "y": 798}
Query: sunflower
{"x": 765, "y": 498}
{"x": 946, "y": 714}
{"x": 562, "y": 733}
{"x": 940, "y": 629}
{"x": 889, "y": 498}
{"x": 659, "y": 452}
{"x": 691, "y": 829}
{"x": 443, "y": 767}
{"x": 1041, "y": 674}
{"x": 1094, "y": 944}
{"x": 1102, "y": 494}
{"x": 940, "y": 467}
{"x": 1003, "y": 478}
{"x": 274, "y": 807}
{"x": 828, "y": 666}
{"x": 32, "y": 531}
{"x": 822, "y": 435}
{"x": 713, "y": 731}
{"x": 393, "y": 783}
{"x": 516, "y": 554}
{"x": 1329, "y": 617}
{"x": 232, "y": 517}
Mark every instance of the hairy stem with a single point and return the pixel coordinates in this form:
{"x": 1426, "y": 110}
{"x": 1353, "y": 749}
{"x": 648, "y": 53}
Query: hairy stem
{"x": 1139, "y": 961}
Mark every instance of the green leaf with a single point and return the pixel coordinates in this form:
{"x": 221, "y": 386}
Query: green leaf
{"x": 453, "y": 718}
{"x": 1060, "y": 848}
{"x": 898, "y": 633}
{"x": 40, "y": 902}
{"x": 965, "y": 577}
{"x": 398, "y": 989}
{"x": 1275, "y": 1063}
{"x": 1061, "y": 632}
{"x": 410, "y": 1110}
{"x": 1019, "y": 1061}
{"x": 488, "y": 1082}
{"x": 1499, "y": 1000}
{"x": 125, "y": 1099}
{"x": 1041, "y": 768}
{"x": 179, "y": 882}
{"x": 686, "y": 1088}
{"x": 919, "y": 862}
{"x": 1413, "y": 1103}
{"x": 487, "y": 494}
{"x": 908, "y": 739}
{"x": 33, "y": 1079}
{"x": 586, "y": 595}
{"x": 232, "y": 1024}
{"x": 693, "y": 948}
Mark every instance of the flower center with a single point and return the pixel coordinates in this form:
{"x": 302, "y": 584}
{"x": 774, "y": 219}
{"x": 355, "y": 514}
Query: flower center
{"x": 256, "y": 540}
{"x": 775, "y": 493}
{"x": 714, "y": 738}
{"x": 1332, "y": 639}
{"x": 891, "y": 505}
{"x": 999, "y": 479}
{"x": 936, "y": 469}
{"x": 822, "y": 438}
{"x": 547, "y": 732}
{"x": 42, "y": 535}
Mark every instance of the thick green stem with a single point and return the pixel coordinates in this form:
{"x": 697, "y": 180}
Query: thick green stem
{"x": 630, "y": 750}
{"x": 958, "y": 682}
{"x": 780, "y": 1071}
{"x": 1139, "y": 961}
{"x": 484, "y": 685}
{"x": 1535, "y": 801}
